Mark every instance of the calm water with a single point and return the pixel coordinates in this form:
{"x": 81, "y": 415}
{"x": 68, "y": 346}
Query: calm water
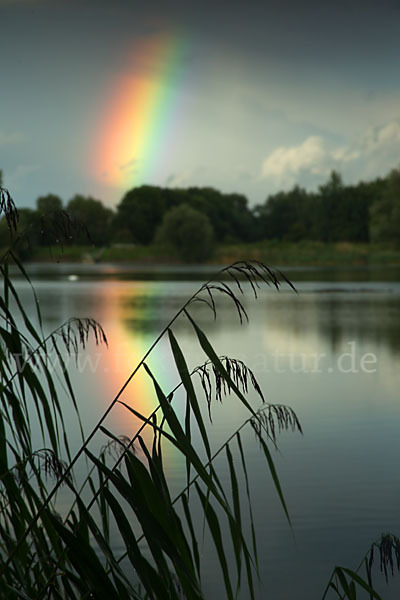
{"x": 331, "y": 352}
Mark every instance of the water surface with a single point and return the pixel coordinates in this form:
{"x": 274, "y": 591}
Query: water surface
{"x": 331, "y": 352}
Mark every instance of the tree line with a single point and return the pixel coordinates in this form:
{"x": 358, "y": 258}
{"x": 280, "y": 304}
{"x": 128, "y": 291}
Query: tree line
{"x": 192, "y": 219}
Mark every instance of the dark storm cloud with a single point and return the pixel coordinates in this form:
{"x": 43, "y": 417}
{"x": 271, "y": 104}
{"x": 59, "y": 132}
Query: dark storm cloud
{"x": 286, "y": 28}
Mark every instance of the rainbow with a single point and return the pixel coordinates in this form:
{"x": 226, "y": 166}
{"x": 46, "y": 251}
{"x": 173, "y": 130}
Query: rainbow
{"x": 129, "y": 302}
{"x": 139, "y": 114}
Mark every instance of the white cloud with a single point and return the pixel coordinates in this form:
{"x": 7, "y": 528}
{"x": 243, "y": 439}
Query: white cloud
{"x": 10, "y": 138}
{"x": 378, "y": 138}
{"x": 373, "y": 154}
{"x": 344, "y": 155}
{"x": 380, "y": 148}
{"x": 285, "y": 163}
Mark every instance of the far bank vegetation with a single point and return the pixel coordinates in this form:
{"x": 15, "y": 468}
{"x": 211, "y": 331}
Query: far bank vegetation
{"x": 337, "y": 224}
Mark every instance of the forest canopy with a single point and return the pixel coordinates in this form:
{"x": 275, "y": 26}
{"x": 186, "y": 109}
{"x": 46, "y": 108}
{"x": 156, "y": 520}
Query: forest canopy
{"x": 336, "y": 212}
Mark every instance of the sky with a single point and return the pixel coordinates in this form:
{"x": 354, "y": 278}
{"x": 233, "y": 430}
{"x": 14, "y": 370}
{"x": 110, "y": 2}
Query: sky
{"x": 98, "y": 97}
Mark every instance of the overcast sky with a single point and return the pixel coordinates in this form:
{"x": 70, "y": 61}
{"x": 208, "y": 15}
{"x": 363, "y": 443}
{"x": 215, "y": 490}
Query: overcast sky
{"x": 258, "y": 96}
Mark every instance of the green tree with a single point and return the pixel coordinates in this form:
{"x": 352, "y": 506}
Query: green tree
{"x": 286, "y": 215}
{"x": 48, "y": 203}
{"x": 210, "y": 202}
{"x": 94, "y": 216}
{"x": 335, "y": 213}
{"x": 140, "y": 212}
{"x": 28, "y": 231}
{"x": 329, "y": 214}
{"x": 242, "y": 221}
{"x": 342, "y": 212}
{"x": 228, "y": 213}
{"x": 385, "y": 212}
{"x": 189, "y": 232}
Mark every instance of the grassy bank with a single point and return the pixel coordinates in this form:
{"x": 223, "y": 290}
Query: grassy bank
{"x": 309, "y": 253}
{"x": 272, "y": 252}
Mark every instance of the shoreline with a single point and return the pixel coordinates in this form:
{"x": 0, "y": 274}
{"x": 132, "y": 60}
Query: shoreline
{"x": 284, "y": 254}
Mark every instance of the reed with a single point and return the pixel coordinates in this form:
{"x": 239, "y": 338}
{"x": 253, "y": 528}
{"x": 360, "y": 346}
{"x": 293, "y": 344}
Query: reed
{"x": 44, "y": 554}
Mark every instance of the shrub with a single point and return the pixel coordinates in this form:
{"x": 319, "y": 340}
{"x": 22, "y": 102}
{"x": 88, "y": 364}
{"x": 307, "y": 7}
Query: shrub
{"x": 188, "y": 232}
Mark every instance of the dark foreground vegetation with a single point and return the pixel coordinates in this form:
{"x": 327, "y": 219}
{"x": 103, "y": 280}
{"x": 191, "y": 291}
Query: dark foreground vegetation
{"x": 198, "y": 224}
{"x": 122, "y": 535}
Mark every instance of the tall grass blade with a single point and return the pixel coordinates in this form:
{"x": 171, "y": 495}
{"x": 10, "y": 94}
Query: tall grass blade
{"x": 213, "y": 357}
{"x": 274, "y": 475}
{"x": 188, "y": 385}
{"x": 249, "y": 502}
{"x": 213, "y": 523}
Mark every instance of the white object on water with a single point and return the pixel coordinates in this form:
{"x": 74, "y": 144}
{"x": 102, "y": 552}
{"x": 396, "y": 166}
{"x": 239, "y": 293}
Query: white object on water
{"x": 73, "y": 277}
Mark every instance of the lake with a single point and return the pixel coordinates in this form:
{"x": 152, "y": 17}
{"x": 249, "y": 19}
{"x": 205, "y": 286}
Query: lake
{"x": 331, "y": 352}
